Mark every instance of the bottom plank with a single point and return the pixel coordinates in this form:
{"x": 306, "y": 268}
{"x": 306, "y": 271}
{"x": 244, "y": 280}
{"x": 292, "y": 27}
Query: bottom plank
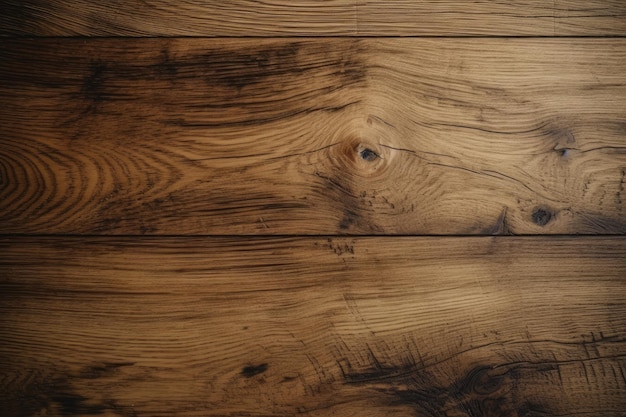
{"x": 509, "y": 326}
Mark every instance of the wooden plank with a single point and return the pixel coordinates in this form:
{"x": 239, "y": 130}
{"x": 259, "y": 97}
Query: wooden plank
{"x": 180, "y": 18}
{"x": 349, "y": 136}
{"x": 324, "y": 327}
{"x": 492, "y": 18}
{"x": 313, "y": 18}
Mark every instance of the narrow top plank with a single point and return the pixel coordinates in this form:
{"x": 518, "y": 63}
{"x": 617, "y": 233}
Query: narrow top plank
{"x": 313, "y": 18}
{"x": 349, "y": 136}
{"x": 492, "y": 18}
{"x": 179, "y": 18}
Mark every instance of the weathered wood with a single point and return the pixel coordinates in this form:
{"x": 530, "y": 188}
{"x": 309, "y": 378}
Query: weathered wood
{"x": 492, "y": 18}
{"x": 356, "y": 136}
{"x": 313, "y": 17}
{"x": 323, "y": 327}
{"x": 180, "y": 18}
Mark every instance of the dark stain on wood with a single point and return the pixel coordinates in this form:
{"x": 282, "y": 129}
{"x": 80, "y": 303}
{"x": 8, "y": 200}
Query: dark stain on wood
{"x": 166, "y": 67}
{"x": 57, "y": 394}
{"x": 268, "y": 65}
{"x": 94, "y": 81}
{"x": 73, "y": 404}
{"x": 339, "y": 186}
{"x": 483, "y": 391}
{"x": 246, "y": 68}
{"x": 252, "y": 370}
{"x": 349, "y": 219}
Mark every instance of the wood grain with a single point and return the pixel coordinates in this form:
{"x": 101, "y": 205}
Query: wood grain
{"x": 313, "y": 18}
{"x": 315, "y": 326}
{"x": 180, "y": 18}
{"x": 348, "y": 136}
{"x": 492, "y": 18}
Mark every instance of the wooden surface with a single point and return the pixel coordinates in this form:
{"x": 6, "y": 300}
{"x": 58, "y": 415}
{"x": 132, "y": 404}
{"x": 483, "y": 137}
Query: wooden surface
{"x": 202, "y": 208}
{"x": 331, "y": 136}
{"x": 498, "y": 326}
{"x": 313, "y": 18}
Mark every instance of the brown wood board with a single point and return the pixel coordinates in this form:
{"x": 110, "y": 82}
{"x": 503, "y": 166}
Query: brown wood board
{"x": 492, "y": 18}
{"x": 453, "y": 326}
{"x": 313, "y": 136}
{"x": 313, "y": 18}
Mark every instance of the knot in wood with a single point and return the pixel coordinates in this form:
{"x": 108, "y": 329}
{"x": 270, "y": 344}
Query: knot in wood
{"x": 360, "y": 158}
{"x": 541, "y": 216}
{"x": 368, "y": 155}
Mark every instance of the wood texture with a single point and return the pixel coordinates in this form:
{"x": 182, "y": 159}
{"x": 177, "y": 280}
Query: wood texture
{"x": 314, "y": 326}
{"x": 348, "y": 136}
{"x": 492, "y": 18}
{"x": 313, "y": 18}
{"x": 296, "y": 132}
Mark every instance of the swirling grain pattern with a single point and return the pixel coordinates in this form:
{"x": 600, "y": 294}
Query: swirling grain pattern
{"x": 313, "y": 136}
{"x": 430, "y": 327}
{"x": 313, "y": 18}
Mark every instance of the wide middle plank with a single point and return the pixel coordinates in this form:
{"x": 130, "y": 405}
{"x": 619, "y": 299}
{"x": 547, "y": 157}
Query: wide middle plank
{"x": 326, "y": 136}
